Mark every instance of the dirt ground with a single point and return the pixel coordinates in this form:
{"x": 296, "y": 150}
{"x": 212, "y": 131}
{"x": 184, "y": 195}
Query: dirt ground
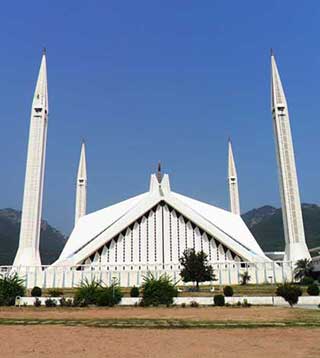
{"x": 59, "y": 341}
{"x": 257, "y": 314}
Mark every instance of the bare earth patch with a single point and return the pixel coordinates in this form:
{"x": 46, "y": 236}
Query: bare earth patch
{"x": 59, "y": 341}
{"x": 256, "y": 314}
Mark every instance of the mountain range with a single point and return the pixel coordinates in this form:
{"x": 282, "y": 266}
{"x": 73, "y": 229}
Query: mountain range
{"x": 265, "y": 224}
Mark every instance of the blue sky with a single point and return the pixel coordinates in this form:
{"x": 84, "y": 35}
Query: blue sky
{"x": 144, "y": 81}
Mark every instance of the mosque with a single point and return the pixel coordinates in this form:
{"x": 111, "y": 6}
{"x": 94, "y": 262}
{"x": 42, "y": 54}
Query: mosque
{"x": 150, "y": 231}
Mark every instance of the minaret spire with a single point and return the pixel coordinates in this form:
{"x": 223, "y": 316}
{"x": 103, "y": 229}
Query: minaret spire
{"x": 81, "y": 191}
{"x": 233, "y": 182}
{"x": 295, "y": 248}
{"x": 159, "y": 174}
{"x": 28, "y": 252}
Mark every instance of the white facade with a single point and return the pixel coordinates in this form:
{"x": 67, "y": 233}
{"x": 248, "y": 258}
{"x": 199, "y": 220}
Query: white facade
{"x": 28, "y": 251}
{"x": 296, "y": 247}
{"x": 81, "y": 188}
{"x": 233, "y": 182}
{"x": 153, "y": 229}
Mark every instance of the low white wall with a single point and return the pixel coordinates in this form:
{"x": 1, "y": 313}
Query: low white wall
{"x": 205, "y": 301}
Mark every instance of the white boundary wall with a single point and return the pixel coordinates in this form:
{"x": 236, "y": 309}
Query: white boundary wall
{"x": 205, "y": 301}
{"x": 227, "y": 273}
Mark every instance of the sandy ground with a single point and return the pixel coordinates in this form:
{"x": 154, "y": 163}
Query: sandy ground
{"x": 257, "y": 314}
{"x": 59, "y": 341}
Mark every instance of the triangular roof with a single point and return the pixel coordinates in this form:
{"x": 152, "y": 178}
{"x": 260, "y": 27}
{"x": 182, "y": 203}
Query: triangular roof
{"x": 96, "y": 229}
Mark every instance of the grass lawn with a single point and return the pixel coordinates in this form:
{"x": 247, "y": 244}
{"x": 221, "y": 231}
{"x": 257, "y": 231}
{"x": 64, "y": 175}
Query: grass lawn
{"x": 162, "y": 317}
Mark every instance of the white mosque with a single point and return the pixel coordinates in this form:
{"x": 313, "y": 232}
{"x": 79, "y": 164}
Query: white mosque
{"x": 149, "y": 232}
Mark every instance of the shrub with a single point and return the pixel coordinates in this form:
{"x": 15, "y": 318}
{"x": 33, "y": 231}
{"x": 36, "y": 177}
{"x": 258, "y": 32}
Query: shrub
{"x": 228, "y": 291}
{"x": 109, "y": 296}
{"x": 307, "y": 281}
{"x": 245, "y": 303}
{"x": 37, "y": 302}
{"x": 87, "y": 293}
{"x": 194, "y": 304}
{"x": 55, "y": 293}
{"x": 158, "y": 291}
{"x": 10, "y": 287}
{"x": 66, "y": 302}
{"x": 313, "y": 290}
{"x": 219, "y": 300}
{"x": 36, "y": 291}
{"x": 289, "y": 292}
{"x": 134, "y": 292}
{"x": 49, "y": 302}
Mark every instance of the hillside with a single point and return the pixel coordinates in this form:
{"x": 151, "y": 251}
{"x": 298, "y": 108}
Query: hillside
{"x": 266, "y": 226}
{"x": 51, "y": 242}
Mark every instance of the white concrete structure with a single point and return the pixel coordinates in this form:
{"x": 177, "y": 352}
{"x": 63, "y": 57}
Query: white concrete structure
{"x": 81, "y": 189}
{"x": 28, "y": 251}
{"x": 233, "y": 182}
{"x": 153, "y": 229}
{"x": 296, "y": 247}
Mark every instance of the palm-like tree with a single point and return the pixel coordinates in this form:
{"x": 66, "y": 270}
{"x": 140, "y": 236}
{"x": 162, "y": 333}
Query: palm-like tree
{"x": 303, "y": 268}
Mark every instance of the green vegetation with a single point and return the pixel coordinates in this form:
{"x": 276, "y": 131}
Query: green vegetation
{"x": 228, "y": 291}
{"x": 55, "y": 292}
{"x": 36, "y": 291}
{"x": 159, "y": 291}
{"x": 37, "y": 302}
{"x": 109, "y": 296}
{"x": 94, "y": 293}
{"x": 313, "y": 290}
{"x": 49, "y": 302}
{"x": 289, "y": 292}
{"x": 303, "y": 270}
{"x": 10, "y": 287}
{"x": 245, "y": 278}
{"x": 195, "y": 267}
{"x": 87, "y": 293}
{"x": 66, "y": 302}
{"x": 134, "y": 292}
{"x": 219, "y": 300}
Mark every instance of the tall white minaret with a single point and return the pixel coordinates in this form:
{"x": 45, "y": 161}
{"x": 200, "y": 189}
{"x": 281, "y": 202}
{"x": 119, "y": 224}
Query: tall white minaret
{"x": 81, "y": 191}
{"x": 295, "y": 248}
{"x": 233, "y": 182}
{"x": 28, "y": 252}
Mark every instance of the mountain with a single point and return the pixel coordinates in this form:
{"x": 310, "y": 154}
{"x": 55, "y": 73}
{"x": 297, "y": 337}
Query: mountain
{"x": 266, "y": 226}
{"x": 51, "y": 240}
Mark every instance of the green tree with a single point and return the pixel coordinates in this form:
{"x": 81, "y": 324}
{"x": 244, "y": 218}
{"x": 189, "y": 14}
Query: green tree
{"x": 195, "y": 267}
{"x": 289, "y": 292}
{"x": 303, "y": 269}
{"x": 245, "y": 278}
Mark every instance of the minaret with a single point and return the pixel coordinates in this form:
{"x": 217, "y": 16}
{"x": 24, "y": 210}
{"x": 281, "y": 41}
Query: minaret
{"x": 28, "y": 252}
{"x": 295, "y": 248}
{"x": 81, "y": 192}
{"x": 233, "y": 182}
